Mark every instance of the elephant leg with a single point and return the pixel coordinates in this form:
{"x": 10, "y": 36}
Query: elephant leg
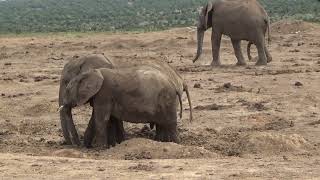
{"x": 112, "y": 130}
{"x": 64, "y": 127}
{"x": 269, "y": 57}
{"x": 215, "y": 42}
{"x": 167, "y": 133}
{"x": 237, "y": 51}
{"x": 120, "y": 133}
{"x": 102, "y": 115}
{"x": 90, "y": 132}
{"x": 261, "y": 53}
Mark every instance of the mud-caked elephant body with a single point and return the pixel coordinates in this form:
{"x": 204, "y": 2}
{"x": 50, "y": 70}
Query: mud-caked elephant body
{"x": 72, "y": 69}
{"x": 238, "y": 19}
{"x": 143, "y": 94}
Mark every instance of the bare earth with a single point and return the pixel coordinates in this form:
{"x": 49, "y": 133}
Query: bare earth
{"x": 249, "y": 122}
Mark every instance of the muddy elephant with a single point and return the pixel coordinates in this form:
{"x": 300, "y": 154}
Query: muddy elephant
{"x": 141, "y": 94}
{"x": 72, "y": 69}
{"x": 238, "y": 19}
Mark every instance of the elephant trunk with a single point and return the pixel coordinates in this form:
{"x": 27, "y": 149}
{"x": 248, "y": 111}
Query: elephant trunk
{"x": 200, "y": 36}
{"x": 67, "y": 124}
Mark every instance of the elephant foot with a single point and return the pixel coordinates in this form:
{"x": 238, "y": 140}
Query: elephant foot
{"x": 241, "y": 63}
{"x": 167, "y": 134}
{"x": 261, "y": 63}
{"x": 269, "y": 59}
{"x": 215, "y": 63}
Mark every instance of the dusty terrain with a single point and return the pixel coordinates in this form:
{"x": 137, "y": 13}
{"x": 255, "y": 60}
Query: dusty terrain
{"x": 249, "y": 122}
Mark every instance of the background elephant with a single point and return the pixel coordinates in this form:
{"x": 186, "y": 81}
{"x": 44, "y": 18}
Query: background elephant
{"x": 238, "y": 19}
{"x": 72, "y": 69}
{"x": 142, "y": 94}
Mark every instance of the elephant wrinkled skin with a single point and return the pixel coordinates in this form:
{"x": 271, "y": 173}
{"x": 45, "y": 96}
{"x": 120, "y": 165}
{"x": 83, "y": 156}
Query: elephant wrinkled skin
{"x": 238, "y": 19}
{"x": 72, "y": 69}
{"x": 143, "y": 94}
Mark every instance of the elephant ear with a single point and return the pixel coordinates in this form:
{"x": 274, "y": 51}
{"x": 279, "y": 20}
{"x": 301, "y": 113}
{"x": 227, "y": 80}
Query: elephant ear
{"x": 208, "y": 15}
{"x": 89, "y": 85}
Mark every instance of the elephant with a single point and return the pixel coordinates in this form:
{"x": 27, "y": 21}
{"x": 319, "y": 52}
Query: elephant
{"x": 238, "y": 19}
{"x": 140, "y": 94}
{"x": 178, "y": 82}
{"x": 72, "y": 69}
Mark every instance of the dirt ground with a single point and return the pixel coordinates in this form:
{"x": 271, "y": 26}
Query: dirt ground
{"x": 249, "y": 122}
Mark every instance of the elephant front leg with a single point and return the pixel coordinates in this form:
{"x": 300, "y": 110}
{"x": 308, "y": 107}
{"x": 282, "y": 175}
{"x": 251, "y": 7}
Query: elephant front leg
{"x": 102, "y": 115}
{"x": 90, "y": 132}
{"x": 237, "y": 51}
{"x": 215, "y": 42}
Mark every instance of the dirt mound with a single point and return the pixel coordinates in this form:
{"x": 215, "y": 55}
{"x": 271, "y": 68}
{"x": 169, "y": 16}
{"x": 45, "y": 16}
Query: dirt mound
{"x": 291, "y": 26}
{"x": 271, "y": 143}
{"x": 140, "y": 148}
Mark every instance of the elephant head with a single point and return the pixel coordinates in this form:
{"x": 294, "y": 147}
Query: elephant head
{"x": 204, "y": 23}
{"x": 81, "y": 88}
{"x": 72, "y": 69}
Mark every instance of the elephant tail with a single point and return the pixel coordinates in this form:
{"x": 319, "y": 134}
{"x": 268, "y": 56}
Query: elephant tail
{"x": 185, "y": 88}
{"x": 180, "y": 102}
{"x": 268, "y": 26}
{"x": 248, "y": 50}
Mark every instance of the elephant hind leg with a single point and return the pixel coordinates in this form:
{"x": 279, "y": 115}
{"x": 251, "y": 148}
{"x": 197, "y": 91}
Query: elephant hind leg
{"x": 269, "y": 57}
{"x": 261, "y": 53}
{"x": 237, "y": 51}
{"x": 167, "y": 133}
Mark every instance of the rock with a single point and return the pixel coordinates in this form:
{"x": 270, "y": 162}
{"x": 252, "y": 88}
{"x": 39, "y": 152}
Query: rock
{"x": 197, "y": 85}
{"x": 298, "y": 83}
{"x": 227, "y": 85}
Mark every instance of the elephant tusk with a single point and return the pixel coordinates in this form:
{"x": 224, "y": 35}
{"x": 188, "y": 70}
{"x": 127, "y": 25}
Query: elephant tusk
{"x": 60, "y": 108}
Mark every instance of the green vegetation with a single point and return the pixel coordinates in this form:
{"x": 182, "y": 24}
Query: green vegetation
{"x": 17, "y": 16}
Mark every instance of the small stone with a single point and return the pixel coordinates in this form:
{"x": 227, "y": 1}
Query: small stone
{"x": 298, "y": 83}
{"x": 227, "y": 85}
{"x": 300, "y": 43}
{"x": 101, "y": 169}
{"x": 197, "y": 85}
{"x": 294, "y": 50}
{"x": 7, "y": 64}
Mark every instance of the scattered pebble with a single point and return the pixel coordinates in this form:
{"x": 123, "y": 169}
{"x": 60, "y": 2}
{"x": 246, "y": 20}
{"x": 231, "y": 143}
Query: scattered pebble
{"x": 101, "y": 169}
{"x": 7, "y": 64}
{"x": 294, "y": 50}
{"x": 298, "y": 83}
{"x": 227, "y": 85}
{"x": 197, "y": 85}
